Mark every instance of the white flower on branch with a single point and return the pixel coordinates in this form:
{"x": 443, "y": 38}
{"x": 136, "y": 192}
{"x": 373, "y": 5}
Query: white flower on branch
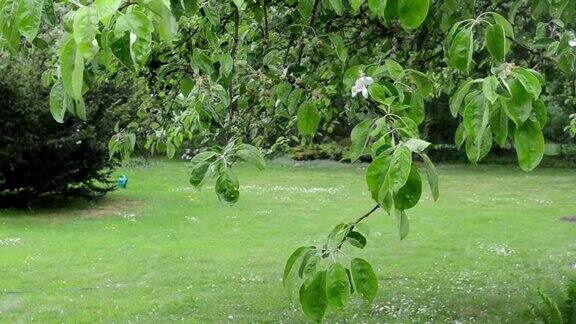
{"x": 362, "y": 86}
{"x": 572, "y": 40}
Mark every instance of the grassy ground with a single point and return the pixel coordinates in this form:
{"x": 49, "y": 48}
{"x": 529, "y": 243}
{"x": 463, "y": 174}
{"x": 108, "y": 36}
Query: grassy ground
{"x": 159, "y": 251}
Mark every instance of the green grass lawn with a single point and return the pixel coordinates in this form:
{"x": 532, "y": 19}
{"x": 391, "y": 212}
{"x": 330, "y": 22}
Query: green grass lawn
{"x": 160, "y": 251}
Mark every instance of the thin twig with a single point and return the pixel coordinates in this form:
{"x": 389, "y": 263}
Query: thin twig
{"x": 363, "y": 217}
{"x": 233, "y": 54}
{"x": 310, "y": 25}
{"x": 265, "y": 9}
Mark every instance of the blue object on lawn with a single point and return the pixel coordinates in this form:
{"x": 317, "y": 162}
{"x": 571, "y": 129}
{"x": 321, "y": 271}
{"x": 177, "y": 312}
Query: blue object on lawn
{"x": 122, "y": 181}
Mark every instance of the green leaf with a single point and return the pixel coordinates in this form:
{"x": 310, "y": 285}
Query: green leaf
{"x": 222, "y": 94}
{"x": 309, "y": 265}
{"x": 399, "y": 168}
{"x": 198, "y": 173}
{"x": 121, "y": 50}
{"x": 377, "y": 7}
{"x": 251, "y": 155}
{"x": 78, "y": 76}
{"x": 477, "y": 149}
{"x": 359, "y": 138}
{"x": 529, "y": 144}
{"x": 140, "y": 28}
{"x": 496, "y": 42}
{"x": 489, "y": 86}
{"x": 106, "y": 8}
{"x": 476, "y": 116}
{"x": 519, "y": 106}
{"x": 211, "y": 15}
{"x": 458, "y": 98}
{"x": 412, "y": 13}
{"x": 190, "y": 7}
{"x": 131, "y": 138}
{"x": 356, "y": 4}
{"x": 226, "y": 63}
{"x": 499, "y": 126}
{"x": 393, "y": 68}
{"x": 57, "y": 101}
{"x": 186, "y": 86}
{"x": 299, "y": 252}
{"x": 540, "y": 112}
{"x": 385, "y": 197}
{"x": 376, "y": 175}
{"x": 461, "y": 50}
{"x": 67, "y": 58}
{"x": 529, "y": 81}
{"x": 282, "y": 91}
{"x": 338, "y": 6}
{"x": 460, "y": 135}
{"x": 238, "y": 3}
{"x": 165, "y": 22}
{"x": 356, "y": 239}
{"x": 364, "y": 279}
{"x": 85, "y": 26}
{"x": 202, "y": 62}
{"x": 337, "y": 285}
{"x": 313, "y": 297}
{"x": 227, "y": 186}
{"x": 403, "y": 224}
{"x": 421, "y": 80}
{"x": 432, "y": 176}
{"x": 202, "y": 157}
{"x": 390, "y": 11}
{"x": 49, "y": 15}
{"x": 508, "y": 29}
{"x": 339, "y": 46}
{"x": 417, "y": 145}
{"x": 338, "y": 234}
{"x": 379, "y": 93}
{"x": 305, "y": 8}
{"x": 28, "y": 17}
{"x": 351, "y": 75}
{"x": 294, "y": 100}
{"x": 170, "y": 150}
{"x": 409, "y": 195}
{"x": 308, "y": 118}
{"x": 71, "y": 68}
{"x": 80, "y": 109}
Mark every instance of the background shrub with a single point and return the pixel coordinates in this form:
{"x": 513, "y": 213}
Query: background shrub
{"x": 41, "y": 159}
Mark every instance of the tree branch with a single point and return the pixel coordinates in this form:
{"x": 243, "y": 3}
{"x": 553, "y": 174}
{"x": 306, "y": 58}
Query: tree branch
{"x": 265, "y": 36}
{"x": 310, "y": 25}
{"x": 363, "y": 217}
{"x": 233, "y": 53}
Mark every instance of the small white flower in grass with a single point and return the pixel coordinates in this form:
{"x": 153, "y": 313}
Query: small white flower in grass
{"x": 362, "y": 86}
{"x": 12, "y": 241}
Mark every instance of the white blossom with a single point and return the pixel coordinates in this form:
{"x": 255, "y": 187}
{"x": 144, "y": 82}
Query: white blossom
{"x": 572, "y": 40}
{"x": 361, "y": 86}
